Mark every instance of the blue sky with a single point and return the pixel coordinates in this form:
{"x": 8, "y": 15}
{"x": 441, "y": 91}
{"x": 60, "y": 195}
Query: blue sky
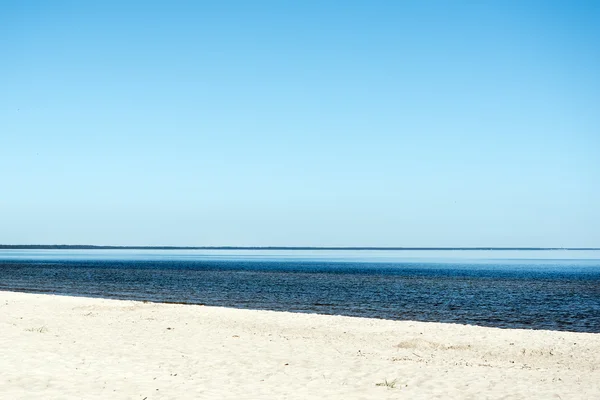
{"x": 324, "y": 123}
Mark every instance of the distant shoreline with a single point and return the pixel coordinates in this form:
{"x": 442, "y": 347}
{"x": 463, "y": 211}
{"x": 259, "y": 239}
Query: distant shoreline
{"x": 332, "y": 248}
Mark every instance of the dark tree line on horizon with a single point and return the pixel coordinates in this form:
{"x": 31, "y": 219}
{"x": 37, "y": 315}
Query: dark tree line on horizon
{"x": 100, "y": 247}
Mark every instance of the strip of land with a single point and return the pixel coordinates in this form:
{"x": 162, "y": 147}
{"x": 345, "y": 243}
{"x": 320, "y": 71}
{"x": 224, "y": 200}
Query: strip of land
{"x": 81, "y": 348}
{"x": 342, "y": 248}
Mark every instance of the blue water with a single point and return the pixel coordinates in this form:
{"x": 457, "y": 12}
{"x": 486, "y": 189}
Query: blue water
{"x": 557, "y": 290}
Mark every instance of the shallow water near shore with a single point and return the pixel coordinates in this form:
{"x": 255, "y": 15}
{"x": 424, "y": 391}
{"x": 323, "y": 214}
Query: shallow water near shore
{"x": 556, "y": 290}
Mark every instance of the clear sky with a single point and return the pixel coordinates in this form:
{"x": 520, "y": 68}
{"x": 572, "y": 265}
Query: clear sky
{"x": 322, "y": 123}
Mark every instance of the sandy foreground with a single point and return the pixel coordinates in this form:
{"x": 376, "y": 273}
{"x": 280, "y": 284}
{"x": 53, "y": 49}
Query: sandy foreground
{"x": 57, "y": 347}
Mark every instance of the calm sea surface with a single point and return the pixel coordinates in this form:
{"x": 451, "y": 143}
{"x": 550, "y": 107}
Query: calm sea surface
{"x": 557, "y": 290}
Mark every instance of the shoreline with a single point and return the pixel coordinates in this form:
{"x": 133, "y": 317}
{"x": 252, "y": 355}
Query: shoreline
{"x": 360, "y": 317}
{"x": 81, "y": 347}
{"x": 336, "y": 248}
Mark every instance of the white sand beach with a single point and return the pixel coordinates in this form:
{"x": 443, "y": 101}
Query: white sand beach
{"x": 57, "y": 347}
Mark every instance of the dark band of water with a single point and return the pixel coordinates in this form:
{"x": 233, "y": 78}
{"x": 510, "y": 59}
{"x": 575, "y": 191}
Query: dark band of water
{"x": 533, "y": 294}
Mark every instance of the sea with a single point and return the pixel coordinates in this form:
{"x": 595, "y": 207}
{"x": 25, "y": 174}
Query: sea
{"x": 528, "y": 289}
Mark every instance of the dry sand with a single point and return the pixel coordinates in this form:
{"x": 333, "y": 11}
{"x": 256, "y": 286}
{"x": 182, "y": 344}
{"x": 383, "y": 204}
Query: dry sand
{"x": 55, "y": 347}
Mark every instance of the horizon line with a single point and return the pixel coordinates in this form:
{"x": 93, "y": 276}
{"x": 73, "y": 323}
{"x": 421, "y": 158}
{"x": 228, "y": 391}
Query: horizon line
{"x": 393, "y": 248}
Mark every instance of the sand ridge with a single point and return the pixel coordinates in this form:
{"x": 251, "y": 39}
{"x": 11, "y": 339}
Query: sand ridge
{"x": 81, "y": 348}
